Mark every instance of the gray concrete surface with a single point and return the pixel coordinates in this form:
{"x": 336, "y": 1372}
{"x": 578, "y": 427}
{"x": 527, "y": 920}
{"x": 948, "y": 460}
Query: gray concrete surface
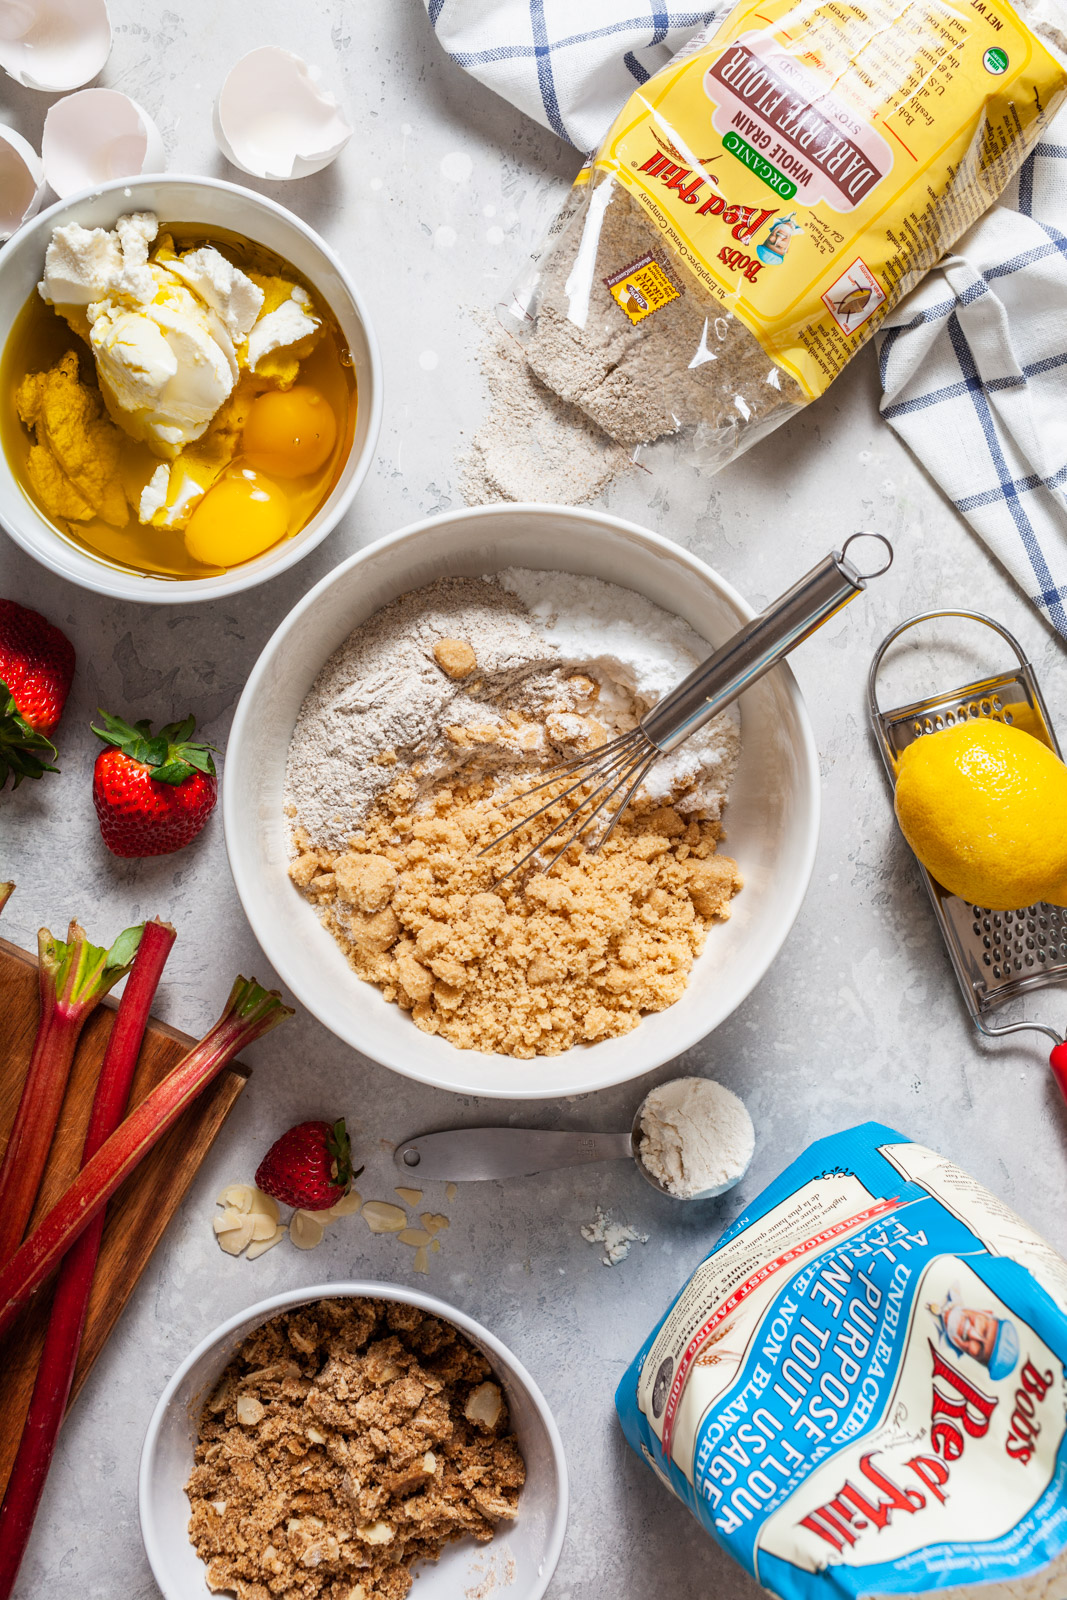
{"x": 858, "y": 1017}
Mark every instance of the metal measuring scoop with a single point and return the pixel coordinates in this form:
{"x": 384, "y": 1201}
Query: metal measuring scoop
{"x": 469, "y": 1155}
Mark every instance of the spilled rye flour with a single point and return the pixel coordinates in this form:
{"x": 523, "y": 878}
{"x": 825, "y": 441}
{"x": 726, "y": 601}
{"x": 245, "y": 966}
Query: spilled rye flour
{"x": 531, "y": 445}
{"x": 416, "y": 747}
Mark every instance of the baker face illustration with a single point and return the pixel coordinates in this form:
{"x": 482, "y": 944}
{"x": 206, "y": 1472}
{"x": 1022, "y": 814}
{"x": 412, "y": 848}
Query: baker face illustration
{"x": 779, "y": 236}
{"x": 987, "y": 1338}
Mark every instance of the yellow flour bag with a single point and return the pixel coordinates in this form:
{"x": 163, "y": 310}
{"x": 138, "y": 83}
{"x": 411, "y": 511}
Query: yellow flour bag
{"x": 761, "y": 204}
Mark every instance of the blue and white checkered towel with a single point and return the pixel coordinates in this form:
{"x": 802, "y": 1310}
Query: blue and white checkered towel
{"x": 974, "y": 368}
{"x": 973, "y": 362}
{"x": 571, "y": 66}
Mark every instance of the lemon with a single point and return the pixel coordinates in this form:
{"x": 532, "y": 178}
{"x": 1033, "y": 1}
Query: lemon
{"x": 984, "y": 807}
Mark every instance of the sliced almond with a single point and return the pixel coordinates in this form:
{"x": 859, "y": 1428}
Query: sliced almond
{"x": 234, "y": 1240}
{"x": 410, "y": 1197}
{"x": 305, "y": 1230}
{"x": 416, "y": 1237}
{"x": 227, "y": 1220}
{"x": 381, "y": 1216}
{"x": 484, "y": 1406}
{"x": 262, "y": 1226}
{"x": 315, "y": 1436}
{"x": 237, "y": 1195}
{"x": 376, "y": 1533}
{"x": 450, "y": 1191}
{"x": 265, "y": 1205}
{"x": 422, "y": 1260}
{"x": 435, "y": 1245}
{"x": 433, "y": 1221}
{"x": 219, "y": 1507}
{"x": 429, "y": 1463}
{"x": 259, "y": 1247}
{"x": 249, "y": 1410}
{"x": 344, "y": 1207}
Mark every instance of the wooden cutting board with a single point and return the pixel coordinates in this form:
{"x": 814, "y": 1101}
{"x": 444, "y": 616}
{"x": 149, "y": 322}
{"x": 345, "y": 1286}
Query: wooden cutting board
{"x": 140, "y": 1210}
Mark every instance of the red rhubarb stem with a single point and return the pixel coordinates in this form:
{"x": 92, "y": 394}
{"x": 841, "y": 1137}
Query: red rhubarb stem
{"x": 250, "y": 1012}
{"x": 73, "y": 977}
{"x": 59, "y": 1357}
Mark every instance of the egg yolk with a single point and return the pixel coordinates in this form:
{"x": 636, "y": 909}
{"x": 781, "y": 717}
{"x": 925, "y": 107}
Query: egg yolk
{"x": 241, "y": 515}
{"x": 289, "y": 432}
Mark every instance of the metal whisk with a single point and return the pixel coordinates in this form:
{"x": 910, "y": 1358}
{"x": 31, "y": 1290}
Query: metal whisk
{"x": 619, "y": 767}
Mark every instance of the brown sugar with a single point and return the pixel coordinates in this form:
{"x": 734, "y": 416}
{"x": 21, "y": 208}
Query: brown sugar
{"x": 346, "y": 1441}
{"x": 455, "y": 657}
{"x": 527, "y": 967}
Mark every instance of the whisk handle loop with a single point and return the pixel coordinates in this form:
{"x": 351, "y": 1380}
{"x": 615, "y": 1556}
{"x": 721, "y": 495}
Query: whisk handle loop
{"x": 757, "y": 647}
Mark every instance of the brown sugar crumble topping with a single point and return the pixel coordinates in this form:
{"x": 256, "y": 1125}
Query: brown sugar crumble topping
{"x": 346, "y": 1441}
{"x": 455, "y": 657}
{"x": 528, "y": 968}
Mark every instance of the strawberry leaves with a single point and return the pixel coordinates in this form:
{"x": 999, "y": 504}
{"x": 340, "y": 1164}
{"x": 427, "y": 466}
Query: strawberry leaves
{"x": 24, "y": 752}
{"x": 340, "y": 1148}
{"x": 170, "y": 754}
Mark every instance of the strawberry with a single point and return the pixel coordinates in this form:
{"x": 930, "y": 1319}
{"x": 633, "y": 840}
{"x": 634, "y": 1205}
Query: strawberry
{"x": 36, "y": 668}
{"x": 310, "y": 1167}
{"x": 152, "y": 792}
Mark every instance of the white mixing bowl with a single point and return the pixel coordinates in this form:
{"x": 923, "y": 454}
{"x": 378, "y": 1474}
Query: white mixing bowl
{"x": 772, "y": 820}
{"x": 210, "y": 203}
{"x": 533, "y": 1542}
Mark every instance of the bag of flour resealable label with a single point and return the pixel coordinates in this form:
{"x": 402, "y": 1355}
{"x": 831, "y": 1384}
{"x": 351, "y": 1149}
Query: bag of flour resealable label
{"x": 863, "y": 1390}
{"x": 763, "y": 201}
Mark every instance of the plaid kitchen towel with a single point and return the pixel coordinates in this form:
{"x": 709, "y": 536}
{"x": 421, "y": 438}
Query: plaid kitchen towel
{"x": 569, "y": 66}
{"x": 974, "y": 368}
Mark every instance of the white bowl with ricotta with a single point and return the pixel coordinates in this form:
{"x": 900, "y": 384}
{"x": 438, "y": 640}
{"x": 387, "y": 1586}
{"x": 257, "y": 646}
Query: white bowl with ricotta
{"x": 210, "y": 203}
{"x": 522, "y": 1558}
{"x": 771, "y": 818}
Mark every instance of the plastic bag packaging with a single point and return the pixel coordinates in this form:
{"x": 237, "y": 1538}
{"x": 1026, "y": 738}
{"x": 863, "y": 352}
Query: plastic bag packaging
{"x": 761, "y": 204}
{"x": 862, "y": 1391}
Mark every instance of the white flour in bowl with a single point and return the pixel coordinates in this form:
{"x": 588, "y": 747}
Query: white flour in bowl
{"x": 553, "y": 650}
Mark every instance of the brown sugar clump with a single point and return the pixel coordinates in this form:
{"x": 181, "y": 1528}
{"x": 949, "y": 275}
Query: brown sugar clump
{"x": 455, "y": 657}
{"x": 346, "y": 1441}
{"x": 525, "y": 968}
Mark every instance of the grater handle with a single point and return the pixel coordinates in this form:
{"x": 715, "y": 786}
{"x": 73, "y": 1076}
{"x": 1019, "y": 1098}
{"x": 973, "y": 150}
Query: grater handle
{"x": 759, "y": 646}
{"x": 931, "y": 616}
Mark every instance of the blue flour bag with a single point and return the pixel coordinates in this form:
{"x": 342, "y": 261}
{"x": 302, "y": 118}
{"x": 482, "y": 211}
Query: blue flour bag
{"x": 862, "y": 1391}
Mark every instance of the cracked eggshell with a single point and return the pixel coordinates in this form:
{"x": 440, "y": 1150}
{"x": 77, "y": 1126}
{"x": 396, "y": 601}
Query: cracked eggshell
{"x": 54, "y": 45}
{"x": 97, "y": 135}
{"x": 21, "y": 181}
{"x": 272, "y": 120}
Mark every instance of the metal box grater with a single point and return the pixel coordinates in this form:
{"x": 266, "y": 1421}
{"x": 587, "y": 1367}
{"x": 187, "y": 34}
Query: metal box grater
{"x": 997, "y": 955}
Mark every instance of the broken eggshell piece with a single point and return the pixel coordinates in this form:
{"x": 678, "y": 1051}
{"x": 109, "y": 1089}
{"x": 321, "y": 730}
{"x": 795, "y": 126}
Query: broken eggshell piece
{"x": 97, "y": 135}
{"x": 54, "y": 45}
{"x": 21, "y": 181}
{"x": 273, "y": 121}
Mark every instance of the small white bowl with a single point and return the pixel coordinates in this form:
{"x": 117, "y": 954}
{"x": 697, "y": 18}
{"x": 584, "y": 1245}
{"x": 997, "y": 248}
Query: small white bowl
{"x": 533, "y": 1542}
{"x": 97, "y": 135}
{"x": 210, "y": 203}
{"x": 772, "y": 820}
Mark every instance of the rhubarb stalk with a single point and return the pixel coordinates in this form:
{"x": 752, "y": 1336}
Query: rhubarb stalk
{"x": 73, "y": 977}
{"x": 251, "y": 1011}
{"x": 66, "y": 1325}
